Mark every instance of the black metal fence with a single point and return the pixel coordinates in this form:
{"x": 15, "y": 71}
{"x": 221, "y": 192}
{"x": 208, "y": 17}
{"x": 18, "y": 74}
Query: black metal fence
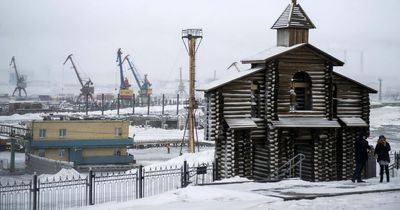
{"x": 96, "y": 188}
{"x": 395, "y": 163}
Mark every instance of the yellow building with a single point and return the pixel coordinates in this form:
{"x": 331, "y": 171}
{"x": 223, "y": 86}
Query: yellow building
{"x": 82, "y": 141}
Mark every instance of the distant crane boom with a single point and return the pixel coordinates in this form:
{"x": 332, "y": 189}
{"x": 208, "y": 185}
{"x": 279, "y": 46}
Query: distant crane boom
{"x": 74, "y": 67}
{"x": 121, "y": 71}
{"x": 12, "y": 63}
{"x": 87, "y": 89}
{"x": 145, "y": 89}
{"x": 138, "y": 78}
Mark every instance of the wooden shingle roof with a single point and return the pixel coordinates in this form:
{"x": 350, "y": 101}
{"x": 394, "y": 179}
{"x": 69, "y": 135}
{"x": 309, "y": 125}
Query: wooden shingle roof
{"x": 293, "y": 17}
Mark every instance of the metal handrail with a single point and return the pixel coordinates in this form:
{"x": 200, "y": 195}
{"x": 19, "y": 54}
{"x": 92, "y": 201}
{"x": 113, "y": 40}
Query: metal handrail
{"x": 289, "y": 165}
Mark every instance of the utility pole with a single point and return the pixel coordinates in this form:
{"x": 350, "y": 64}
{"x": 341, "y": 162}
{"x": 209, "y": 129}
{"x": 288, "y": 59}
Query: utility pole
{"x": 191, "y": 35}
{"x": 380, "y": 90}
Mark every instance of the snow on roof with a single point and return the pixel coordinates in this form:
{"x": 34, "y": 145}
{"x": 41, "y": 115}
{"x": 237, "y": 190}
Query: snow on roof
{"x": 240, "y": 123}
{"x": 371, "y": 90}
{"x": 273, "y": 52}
{"x": 269, "y": 53}
{"x": 218, "y": 83}
{"x": 353, "y": 121}
{"x": 305, "y": 122}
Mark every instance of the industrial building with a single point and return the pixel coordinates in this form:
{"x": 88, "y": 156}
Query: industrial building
{"x": 82, "y": 142}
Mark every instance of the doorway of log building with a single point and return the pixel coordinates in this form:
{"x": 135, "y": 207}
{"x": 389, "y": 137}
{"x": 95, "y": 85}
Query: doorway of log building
{"x": 304, "y": 144}
{"x": 243, "y": 151}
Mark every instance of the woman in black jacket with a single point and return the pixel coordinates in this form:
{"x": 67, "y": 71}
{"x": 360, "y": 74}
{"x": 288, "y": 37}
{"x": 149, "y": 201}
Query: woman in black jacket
{"x": 382, "y": 150}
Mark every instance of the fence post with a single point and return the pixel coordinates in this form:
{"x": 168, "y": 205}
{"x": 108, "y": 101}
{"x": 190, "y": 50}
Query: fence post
{"x": 163, "y": 99}
{"x": 91, "y": 193}
{"x": 35, "y": 191}
{"x": 184, "y": 175}
{"x": 215, "y": 170}
{"x": 140, "y": 185}
{"x": 118, "y": 104}
{"x": 301, "y": 161}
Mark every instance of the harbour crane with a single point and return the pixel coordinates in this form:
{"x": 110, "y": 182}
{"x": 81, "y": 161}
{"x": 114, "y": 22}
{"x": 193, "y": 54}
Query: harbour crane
{"x": 21, "y": 82}
{"x": 87, "y": 89}
{"x": 125, "y": 92}
{"x": 145, "y": 89}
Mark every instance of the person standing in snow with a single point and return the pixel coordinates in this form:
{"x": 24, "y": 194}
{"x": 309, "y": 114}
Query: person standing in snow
{"x": 382, "y": 150}
{"x": 361, "y": 154}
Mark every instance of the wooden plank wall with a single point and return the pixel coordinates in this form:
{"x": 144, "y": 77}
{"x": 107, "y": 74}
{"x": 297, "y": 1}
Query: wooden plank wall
{"x": 348, "y": 162}
{"x": 353, "y": 101}
{"x": 271, "y": 112}
{"x": 234, "y": 101}
{"x": 307, "y": 61}
{"x": 350, "y": 98}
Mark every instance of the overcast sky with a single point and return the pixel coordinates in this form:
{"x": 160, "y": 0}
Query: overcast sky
{"x": 42, "y": 33}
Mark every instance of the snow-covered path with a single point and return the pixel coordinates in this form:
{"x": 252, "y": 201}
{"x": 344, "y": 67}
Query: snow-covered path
{"x": 263, "y": 196}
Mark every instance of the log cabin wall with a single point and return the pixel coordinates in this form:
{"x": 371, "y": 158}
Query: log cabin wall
{"x": 324, "y": 155}
{"x": 352, "y": 101}
{"x": 349, "y": 98}
{"x": 365, "y": 107}
{"x": 234, "y": 149}
{"x": 303, "y": 60}
{"x": 347, "y": 161}
{"x": 265, "y": 142}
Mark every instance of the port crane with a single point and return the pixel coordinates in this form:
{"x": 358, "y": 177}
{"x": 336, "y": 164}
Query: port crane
{"x": 21, "y": 82}
{"x": 87, "y": 89}
{"x": 145, "y": 89}
{"x": 125, "y": 92}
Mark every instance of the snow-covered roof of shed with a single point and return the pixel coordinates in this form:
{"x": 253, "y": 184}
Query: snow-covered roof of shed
{"x": 274, "y": 52}
{"x": 293, "y": 17}
{"x": 371, "y": 90}
{"x": 240, "y": 123}
{"x": 353, "y": 121}
{"x": 220, "y": 82}
{"x": 305, "y": 122}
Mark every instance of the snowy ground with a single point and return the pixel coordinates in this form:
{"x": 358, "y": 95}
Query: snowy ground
{"x": 269, "y": 196}
{"x": 158, "y": 155}
{"x": 142, "y": 134}
{"x": 384, "y": 120}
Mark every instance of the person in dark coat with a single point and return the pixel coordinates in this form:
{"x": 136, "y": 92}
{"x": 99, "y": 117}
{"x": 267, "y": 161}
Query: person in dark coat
{"x": 361, "y": 148}
{"x": 382, "y": 151}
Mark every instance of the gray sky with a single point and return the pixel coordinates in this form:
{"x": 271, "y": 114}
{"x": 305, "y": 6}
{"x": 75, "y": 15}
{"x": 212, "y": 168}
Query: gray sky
{"x": 42, "y": 33}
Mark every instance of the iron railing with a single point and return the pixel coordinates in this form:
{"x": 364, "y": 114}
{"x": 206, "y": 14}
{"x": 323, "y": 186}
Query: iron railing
{"x": 290, "y": 169}
{"x": 96, "y": 188}
{"x": 395, "y": 163}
